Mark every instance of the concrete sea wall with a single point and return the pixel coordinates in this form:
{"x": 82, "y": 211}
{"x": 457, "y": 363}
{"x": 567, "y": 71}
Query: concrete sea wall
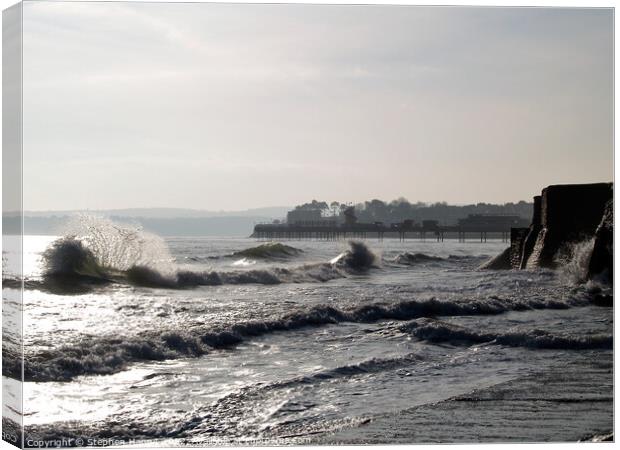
{"x": 564, "y": 215}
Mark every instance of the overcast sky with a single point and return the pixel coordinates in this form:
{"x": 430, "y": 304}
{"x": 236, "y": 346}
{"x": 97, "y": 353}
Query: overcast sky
{"x": 216, "y": 106}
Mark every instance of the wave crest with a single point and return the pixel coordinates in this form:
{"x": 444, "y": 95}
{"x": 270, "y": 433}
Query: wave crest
{"x": 433, "y": 330}
{"x": 410, "y": 259}
{"x": 70, "y": 257}
{"x": 271, "y": 250}
{"x": 111, "y": 354}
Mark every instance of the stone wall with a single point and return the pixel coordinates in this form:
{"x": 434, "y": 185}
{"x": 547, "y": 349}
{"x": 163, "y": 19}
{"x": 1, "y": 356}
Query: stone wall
{"x": 532, "y": 235}
{"x": 517, "y": 241}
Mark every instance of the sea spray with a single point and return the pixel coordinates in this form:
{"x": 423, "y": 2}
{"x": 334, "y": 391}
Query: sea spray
{"x": 573, "y": 261}
{"x": 120, "y": 246}
{"x": 243, "y": 262}
{"x": 96, "y": 250}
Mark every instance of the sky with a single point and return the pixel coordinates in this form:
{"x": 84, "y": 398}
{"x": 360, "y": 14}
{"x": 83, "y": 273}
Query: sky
{"x": 235, "y": 106}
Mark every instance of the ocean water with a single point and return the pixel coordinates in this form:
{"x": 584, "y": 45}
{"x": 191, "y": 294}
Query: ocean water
{"x": 202, "y": 341}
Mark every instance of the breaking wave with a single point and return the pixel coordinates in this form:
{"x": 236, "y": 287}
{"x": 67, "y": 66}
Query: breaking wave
{"x": 79, "y": 270}
{"x": 103, "y": 252}
{"x": 358, "y": 258}
{"x": 108, "y": 355}
{"x": 97, "y": 251}
{"x": 439, "y": 331}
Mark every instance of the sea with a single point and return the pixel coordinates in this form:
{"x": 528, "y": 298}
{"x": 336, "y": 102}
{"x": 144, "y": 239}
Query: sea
{"x": 135, "y": 339}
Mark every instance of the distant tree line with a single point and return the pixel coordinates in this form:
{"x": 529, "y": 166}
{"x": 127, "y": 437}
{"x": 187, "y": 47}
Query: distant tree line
{"x": 401, "y": 209}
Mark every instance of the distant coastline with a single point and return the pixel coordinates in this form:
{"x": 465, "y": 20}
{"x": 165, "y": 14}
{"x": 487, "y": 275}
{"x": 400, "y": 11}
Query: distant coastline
{"x": 195, "y": 222}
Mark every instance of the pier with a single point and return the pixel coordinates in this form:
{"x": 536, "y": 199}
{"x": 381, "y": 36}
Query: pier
{"x": 311, "y": 224}
{"x": 378, "y": 231}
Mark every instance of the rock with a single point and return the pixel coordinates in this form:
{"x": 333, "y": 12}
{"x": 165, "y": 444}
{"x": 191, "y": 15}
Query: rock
{"x": 602, "y": 257}
{"x": 500, "y": 262}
